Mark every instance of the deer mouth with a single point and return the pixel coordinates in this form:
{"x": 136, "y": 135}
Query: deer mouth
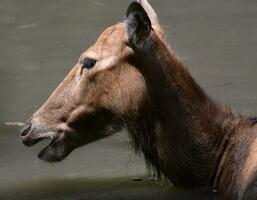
{"x": 56, "y": 151}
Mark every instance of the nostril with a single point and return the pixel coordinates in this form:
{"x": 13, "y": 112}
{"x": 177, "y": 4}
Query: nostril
{"x": 25, "y": 129}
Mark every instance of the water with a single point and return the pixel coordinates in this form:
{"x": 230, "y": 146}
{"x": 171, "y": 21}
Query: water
{"x": 41, "y": 40}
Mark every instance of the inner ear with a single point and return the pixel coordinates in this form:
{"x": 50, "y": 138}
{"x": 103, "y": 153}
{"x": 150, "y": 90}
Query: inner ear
{"x": 138, "y": 25}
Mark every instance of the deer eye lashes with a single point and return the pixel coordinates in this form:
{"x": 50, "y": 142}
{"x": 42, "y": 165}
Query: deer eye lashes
{"x": 88, "y": 63}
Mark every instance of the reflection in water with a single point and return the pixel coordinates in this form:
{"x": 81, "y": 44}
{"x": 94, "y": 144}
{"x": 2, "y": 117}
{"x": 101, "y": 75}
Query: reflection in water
{"x": 107, "y": 189}
{"x": 41, "y": 40}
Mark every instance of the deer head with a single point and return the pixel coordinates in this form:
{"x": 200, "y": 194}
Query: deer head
{"x": 103, "y": 91}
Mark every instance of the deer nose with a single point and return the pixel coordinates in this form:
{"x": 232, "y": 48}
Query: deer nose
{"x": 25, "y": 130}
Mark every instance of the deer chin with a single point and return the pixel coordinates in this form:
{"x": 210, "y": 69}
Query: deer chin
{"x": 56, "y": 151}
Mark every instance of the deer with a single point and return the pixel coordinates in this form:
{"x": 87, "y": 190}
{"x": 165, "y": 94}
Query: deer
{"x": 131, "y": 78}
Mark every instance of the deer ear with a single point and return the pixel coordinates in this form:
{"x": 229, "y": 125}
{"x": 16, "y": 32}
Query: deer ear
{"x": 138, "y": 25}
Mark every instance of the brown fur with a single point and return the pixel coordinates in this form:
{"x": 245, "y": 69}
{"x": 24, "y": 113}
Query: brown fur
{"x": 183, "y": 134}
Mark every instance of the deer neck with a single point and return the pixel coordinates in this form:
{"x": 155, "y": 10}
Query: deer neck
{"x": 183, "y": 123}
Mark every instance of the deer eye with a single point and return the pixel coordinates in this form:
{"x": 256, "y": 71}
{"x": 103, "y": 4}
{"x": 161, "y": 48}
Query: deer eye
{"x": 88, "y": 63}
